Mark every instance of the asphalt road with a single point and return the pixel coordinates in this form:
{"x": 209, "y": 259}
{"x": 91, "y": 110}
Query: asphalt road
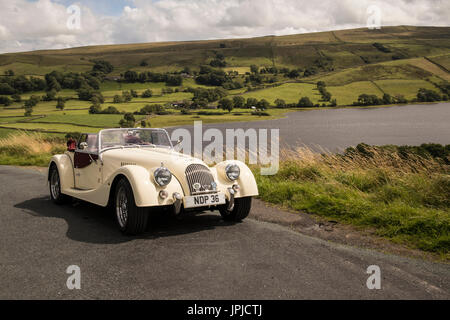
{"x": 199, "y": 257}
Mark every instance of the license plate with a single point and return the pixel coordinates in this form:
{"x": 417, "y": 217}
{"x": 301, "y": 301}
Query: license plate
{"x": 204, "y": 200}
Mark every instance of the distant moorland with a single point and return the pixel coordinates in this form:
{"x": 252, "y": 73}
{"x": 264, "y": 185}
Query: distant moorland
{"x": 175, "y": 83}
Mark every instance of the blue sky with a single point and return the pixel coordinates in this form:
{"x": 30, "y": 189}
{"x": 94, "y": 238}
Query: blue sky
{"x": 46, "y": 24}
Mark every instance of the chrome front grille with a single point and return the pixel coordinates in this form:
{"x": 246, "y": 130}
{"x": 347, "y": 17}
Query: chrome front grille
{"x": 199, "y": 175}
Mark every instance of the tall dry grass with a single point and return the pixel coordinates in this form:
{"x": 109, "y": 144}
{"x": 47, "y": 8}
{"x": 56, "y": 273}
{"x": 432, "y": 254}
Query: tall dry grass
{"x": 401, "y": 192}
{"x": 372, "y": 157}
{"x": 28, "y": 148}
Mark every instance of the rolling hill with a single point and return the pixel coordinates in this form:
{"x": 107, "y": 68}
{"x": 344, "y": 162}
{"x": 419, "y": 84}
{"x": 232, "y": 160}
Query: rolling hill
{"x": 395, "y": 60}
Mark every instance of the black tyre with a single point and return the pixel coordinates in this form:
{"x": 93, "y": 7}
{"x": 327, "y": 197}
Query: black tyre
{"x": 132, "y": 220}
{"x": 55, "y": 187}
{"x": 240, "y": 211}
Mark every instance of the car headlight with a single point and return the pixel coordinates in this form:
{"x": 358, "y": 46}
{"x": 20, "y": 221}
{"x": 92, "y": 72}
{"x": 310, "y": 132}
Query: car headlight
{"x": 162, "y": 176}
{"x": 232, "y": 170}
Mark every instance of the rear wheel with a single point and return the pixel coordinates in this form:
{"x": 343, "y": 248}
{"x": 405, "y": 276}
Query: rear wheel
{"x": 240, "y": 210}
{"x": 132, "y": 220}
{"x": 55, "y": 187}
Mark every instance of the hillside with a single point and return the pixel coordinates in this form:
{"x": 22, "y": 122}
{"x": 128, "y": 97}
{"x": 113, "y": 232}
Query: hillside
{"x": 393, "y": 60}
{"x": 347, "y": 48}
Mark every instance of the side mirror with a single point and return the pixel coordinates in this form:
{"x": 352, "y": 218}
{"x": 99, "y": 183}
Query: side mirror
{"x": 83, "y": 145}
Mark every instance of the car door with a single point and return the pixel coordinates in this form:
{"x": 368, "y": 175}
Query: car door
{"x": 88, "y": 172}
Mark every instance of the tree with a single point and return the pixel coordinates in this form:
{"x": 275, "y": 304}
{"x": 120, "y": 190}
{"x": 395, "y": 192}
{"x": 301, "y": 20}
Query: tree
{"x": 254, "y": 68}
{"x": 425, "y": 95}
{"x": 217, "y": 63}
{"x": 9, "y": 73}
{"x": 368, "y": 100}
{"x": 50, "y": 95}
{"x": 387, "y": 99}
{"x": 147, "y": 94}
{"x": 85, "y": 93}
{"x": 16, "y": 97}
{"x": 400, "y": 99}
{"x": 174, "y": 81}
{"x": 102, "y": 66}
{"x": 226, "y": 104}
{"x": 126, "y": 96}
{"x": 28, "y": 111}
{"x": 6, "y": 88}
{"x": 280, "y": 103}
{"x": 53, "y": 84}
{"x": 238, "y": 102}
{"x": 133, "y": 93}
{"x": 96, "y": 100}
{"x": 305, "y": 102}
{"x": 31, "y": 102}
{"x": 60, "y": 104}
{"x": 263, "y": 104}
{"x": 333, "y": 103}
{"x": 117, "y": 99}
{"x": 251, "y": 102}
{"x": 326, "y": 96}
{"x": 95, "y": 109}
{"x": 150, "y": 109}
{"x": 5, "y": 101}
{"x": 110, "y": 110}
{"x": 321, "y": 84}
{"x": 142, "y": 77}
{"x": 294, "y": 74}
{"x": 131, "y": 76}
{"x": 127, "y": 121}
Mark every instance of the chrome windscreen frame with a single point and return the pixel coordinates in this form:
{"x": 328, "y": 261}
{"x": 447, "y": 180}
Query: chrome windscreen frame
{"x": 102, "y": 150}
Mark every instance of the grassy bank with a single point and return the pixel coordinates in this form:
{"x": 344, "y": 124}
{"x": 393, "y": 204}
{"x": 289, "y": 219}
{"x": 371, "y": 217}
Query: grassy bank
{"x": 401, "y": 193}
{"x": 29, "y": 149}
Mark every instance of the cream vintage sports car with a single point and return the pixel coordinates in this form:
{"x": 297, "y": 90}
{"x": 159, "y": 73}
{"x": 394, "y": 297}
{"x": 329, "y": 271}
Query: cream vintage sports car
{"x": 136, "y": 171}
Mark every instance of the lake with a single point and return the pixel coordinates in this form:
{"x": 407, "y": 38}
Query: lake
{"x": 336, "y": 129}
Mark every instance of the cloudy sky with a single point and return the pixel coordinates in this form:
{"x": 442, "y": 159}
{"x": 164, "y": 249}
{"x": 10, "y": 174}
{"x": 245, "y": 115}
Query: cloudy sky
{"x": 53, "y": 24}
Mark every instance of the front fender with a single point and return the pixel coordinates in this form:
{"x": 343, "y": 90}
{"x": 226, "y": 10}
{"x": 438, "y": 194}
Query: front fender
{"x": 146, "y": 192}
{"x": 246, "y": 181}
{"x": 65, "y": 170}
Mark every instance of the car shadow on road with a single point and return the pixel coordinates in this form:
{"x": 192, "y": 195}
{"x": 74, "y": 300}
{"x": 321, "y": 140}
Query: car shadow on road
{"x": 93, "y": 224}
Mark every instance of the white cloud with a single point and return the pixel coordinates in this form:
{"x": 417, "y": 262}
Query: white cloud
{"x": 42, "y": 24}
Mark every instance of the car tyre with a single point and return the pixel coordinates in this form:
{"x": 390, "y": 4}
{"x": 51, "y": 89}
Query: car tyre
{"x": 132, "y": 220}
{"x": 240, "y": 211}
{"x": 55, "y": 187}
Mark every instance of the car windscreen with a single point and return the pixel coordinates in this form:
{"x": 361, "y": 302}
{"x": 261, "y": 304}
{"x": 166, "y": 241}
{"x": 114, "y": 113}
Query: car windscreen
{"x": 134, "y": 137}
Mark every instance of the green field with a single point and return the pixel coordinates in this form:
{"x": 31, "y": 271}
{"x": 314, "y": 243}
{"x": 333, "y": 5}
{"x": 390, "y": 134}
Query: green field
{"x": 289, "y": 92}
{"x": 415, "y": 57}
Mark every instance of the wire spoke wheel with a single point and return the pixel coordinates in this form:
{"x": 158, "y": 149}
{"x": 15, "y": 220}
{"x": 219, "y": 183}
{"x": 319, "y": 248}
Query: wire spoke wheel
{"x": 54, "y": 184}
{"x": 122, "y": 207}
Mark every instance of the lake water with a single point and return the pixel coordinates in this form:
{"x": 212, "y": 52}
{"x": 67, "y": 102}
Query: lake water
{"x": 336, "y": 129}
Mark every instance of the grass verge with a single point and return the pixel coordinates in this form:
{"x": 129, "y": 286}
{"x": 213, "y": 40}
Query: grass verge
{"x": 401, "y": 193}
{"x": 29, "y": 149}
